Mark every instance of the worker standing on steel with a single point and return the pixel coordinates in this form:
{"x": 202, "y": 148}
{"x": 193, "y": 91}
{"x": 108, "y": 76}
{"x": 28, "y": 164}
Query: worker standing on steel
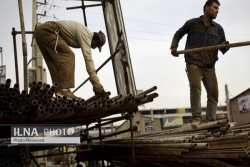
{"x": 55, "y": 39}
{"x": 200, "y": 66}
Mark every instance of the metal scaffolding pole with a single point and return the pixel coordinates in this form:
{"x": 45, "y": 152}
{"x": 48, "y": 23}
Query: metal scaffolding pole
{"x": 24, "y": 44}
{"x": 238, "y": 44}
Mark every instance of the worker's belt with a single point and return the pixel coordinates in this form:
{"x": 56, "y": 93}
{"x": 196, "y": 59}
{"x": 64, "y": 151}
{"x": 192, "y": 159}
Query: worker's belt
{"x": 200, "y": 64}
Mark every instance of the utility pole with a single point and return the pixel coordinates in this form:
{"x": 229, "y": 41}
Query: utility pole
{"x": 36, "y": 72}
{"x": 24, "y": 44}
{"x": 2, "y": 67}
{"x": 152, "y": 120}
{"x": 229, "y": 114}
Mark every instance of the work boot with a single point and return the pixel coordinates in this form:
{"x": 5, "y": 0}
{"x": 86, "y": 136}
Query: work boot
{"x": 68, "y": 95}
{"x": 195, "y": 123}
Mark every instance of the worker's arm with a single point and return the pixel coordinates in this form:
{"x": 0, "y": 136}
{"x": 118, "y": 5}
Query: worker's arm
{"x": 177, "y": 37}
{"x": 85, "y": 44}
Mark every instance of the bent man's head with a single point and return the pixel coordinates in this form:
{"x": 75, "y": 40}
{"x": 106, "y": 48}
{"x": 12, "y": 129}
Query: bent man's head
{"x": 98, "y": 40}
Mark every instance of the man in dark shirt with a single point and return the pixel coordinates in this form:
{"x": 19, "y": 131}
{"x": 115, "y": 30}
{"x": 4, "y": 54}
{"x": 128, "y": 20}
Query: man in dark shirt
{"x": 200, "y": 66}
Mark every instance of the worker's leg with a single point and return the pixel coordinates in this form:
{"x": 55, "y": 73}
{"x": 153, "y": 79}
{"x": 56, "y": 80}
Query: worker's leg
{"x": 41, "y": 42}
{"x": 194, "y": 76}
{"x": 65, "y": 59}
{"x": 61, "y": 64}
{"x": 211, "y": 85}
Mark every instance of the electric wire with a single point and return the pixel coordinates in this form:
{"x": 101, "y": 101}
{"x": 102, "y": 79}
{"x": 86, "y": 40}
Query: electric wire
{"x": 52, "y": 6}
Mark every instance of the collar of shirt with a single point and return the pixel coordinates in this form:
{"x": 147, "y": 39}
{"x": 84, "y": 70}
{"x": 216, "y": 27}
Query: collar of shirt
{"x": 202, "y": 20}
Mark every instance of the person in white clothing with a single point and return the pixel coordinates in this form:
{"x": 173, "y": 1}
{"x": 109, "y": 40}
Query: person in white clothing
{"x": 55, "y": 39}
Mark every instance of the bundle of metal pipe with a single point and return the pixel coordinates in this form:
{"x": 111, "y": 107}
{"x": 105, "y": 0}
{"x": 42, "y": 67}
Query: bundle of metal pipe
{"x": 40, "y": 106}
{"x": 19, "y": 107}
{"x": 210, "y": 144}
{"x": 12, "y": 156}
{"x": 97, "y": 107}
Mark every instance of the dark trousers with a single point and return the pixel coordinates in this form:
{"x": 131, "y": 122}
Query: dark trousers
{"x": 208, "y": 77}
{"x": 61, "y": 64}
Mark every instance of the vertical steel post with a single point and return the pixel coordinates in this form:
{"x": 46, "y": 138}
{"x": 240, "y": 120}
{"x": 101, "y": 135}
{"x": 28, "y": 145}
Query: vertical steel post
{"x": 88, "y": 141}
{"x": 15, "y": 54}
{"x": 132, "y": 138}
{"x": 229, "y": 112}
{"x": 36, "y": 54}
{"x": 1, "y": 54}
{"x": 100, "y": 135}
{"x": 84, "y": 13}
{"x": 24, "y": 66}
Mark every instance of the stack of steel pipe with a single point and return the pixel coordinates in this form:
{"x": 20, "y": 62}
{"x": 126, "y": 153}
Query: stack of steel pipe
{"x": 210, "y": 144}
{"x": 11, "y": 105}
{"x": 97, "y": 107}
{"x": 12, "y": 156}
{"x": 39, "y": 105}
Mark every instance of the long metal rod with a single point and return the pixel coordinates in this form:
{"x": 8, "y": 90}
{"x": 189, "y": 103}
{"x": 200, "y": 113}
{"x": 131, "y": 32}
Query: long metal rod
{"x": 99, "y": 0}
{"x": 26, "y": 32}
{"x": 62, "y": 153}
{"x": 77, "y": 7}
{"x": 148, "y": 90}
{"x": 100, "y": 135}
{"x": 115, "y": 133}
{"x": 1, "y": 71}
{"x": 84, "y": 13}
{"x": 14, "y": 33}
{"x": 25, "y": 74}
{"x": 105, "y": 123}
{"x": 15, "y": 54}
{"x": 33, "y": 158}
{"x": 132, "y": 139}
{"x": 111, "y": 57}
{"x": 229, "y": 112}
{"x": 134, "y": 128}
{"x": 213, "y": 47}
{"x": 24, "y": 44}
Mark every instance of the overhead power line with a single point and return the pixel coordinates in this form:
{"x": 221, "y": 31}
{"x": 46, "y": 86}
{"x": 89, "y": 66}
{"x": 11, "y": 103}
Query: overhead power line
{"x": 136, "y": 20}
{"x": 46, "y": 10}
{"x": 169, "y": 25}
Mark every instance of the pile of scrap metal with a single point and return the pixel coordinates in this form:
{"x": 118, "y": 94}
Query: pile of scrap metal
{"x": 39, "y": 106}
{"x": 210, "y": 144}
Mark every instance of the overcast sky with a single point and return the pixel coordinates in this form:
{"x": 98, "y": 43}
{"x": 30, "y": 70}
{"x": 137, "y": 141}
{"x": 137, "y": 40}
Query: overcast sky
{"x": 150, "y": 26}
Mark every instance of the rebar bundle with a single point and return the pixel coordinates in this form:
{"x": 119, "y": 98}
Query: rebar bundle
{"x": 210, "y": 144}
